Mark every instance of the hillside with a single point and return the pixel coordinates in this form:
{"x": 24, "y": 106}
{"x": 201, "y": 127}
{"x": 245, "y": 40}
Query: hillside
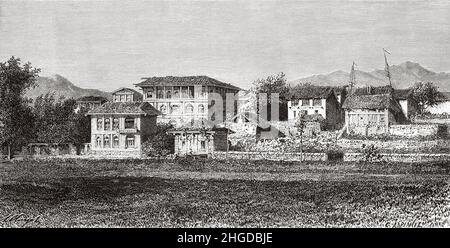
{"x": 62, "y": 87}
{"x": 403, "y": 76}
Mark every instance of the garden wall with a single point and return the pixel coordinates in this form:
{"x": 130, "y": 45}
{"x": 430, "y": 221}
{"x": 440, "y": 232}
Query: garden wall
{"x": 398, "y": 146}
{"x": 406, "y": 158}
{"x": 278, "y": 156}
{"x": 414, "y": 130}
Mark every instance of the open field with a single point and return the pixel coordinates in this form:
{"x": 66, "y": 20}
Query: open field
{"x": 206, "y": 193}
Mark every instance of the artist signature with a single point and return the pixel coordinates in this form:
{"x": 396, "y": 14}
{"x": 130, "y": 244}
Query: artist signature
{"x": 20, "y": 219}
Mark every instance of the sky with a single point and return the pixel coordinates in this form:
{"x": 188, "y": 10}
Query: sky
{"x": 112, "y": 44}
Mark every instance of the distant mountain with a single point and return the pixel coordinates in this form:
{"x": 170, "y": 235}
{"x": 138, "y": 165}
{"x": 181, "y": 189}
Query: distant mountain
{"x": 62, "y": 87}
{"x": 404, "y": 75}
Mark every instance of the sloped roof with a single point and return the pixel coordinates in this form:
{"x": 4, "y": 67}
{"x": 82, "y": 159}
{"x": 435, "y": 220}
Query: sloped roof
{"x": 125, "y": 88}
{"x": 200, "y": 124}
{"x": 92, "y": 99}
{"x": 402, "y": 94}
{"x": 310, "y": 92}
{"x": 143, "y": 108}
{"x": 444, "y": 96}
{"x": 372, "y": 102}
{"x": 185, "y": 81}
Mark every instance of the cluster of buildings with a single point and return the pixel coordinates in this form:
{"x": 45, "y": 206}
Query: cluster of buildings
{"x": 124, "y": 123}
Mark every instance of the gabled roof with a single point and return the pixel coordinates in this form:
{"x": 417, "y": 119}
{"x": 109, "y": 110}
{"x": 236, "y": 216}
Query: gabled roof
{"x": 143, "y": 108}
{"x": 310, "y": 92}
{"x": 399, "y": 94}
{"x": 185, "y": 81}
{"x": 372, "y": 102}
{"x": 125, "y": 88}
{"x": 92, "y": 99}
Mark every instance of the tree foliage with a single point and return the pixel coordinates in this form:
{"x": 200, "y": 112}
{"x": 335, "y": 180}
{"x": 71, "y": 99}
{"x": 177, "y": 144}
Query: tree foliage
{"x": 57, "y": 122}
{"x": 270, "y": 85}
{"x": 426, "y": 95}
{"x": 16, "y": 118}
{"x": 160, "y": 144}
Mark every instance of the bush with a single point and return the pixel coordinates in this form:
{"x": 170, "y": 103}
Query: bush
{"x": 371, "y": 153}
{"x": 161, "y": 144}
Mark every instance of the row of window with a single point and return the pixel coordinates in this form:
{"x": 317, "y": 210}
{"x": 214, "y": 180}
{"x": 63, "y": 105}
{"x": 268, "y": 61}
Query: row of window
{"x": 129, "y": 123}
{"x": 367, "y": 119}
{"x": 115, "y": 143}
{"x": 180, "y": 92}
{"x": 123, "y": 98}
{"x": 307, "y": 102}
{"x": 188, "y": 109}
{"x": 303, "y": 112}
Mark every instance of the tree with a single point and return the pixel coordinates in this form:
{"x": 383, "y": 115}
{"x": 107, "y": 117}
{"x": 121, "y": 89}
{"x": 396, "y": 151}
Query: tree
{"x": 300, "y": 125}
{"x": 273, "y": 84}
{"x": 57, "y": 122}
{"x": 426, "y": 95}
{"x": 16, "y": 117}
{"x": 160, "y": 144}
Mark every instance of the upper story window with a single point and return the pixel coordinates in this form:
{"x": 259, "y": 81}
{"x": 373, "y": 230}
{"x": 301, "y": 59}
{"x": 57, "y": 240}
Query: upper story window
{"x": 317, "y": 102}
{"x": 160, "y": 92}
{"x": 184, "y": 92}
{"x": 175, "y": 108}
{"x": 107, "y": 124}
{"x": 294, "y": 103}
{"x": 99, "y": 124}
{"x": 98, "y": 141}
{"x": 189, "y": 108}
{"x": 305, "y": 102}
{"x": 115, "y": 123}
{"x": 191, "y": 92}
{"x": 130, "y": 141}
{"x": 115, "y": 142}
{"x": 169, "y": 94}
{"x": 176, "y": 92}
{"x": 129, "y": 122}
{"x": 106, "y": 141}
{"x": 150, "y": 93}
{"x": 163, "y": 109}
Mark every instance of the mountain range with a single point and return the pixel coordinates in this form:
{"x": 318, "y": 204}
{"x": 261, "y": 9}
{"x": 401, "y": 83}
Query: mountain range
{"x": 403, "y": 75}
{"x": 61, "y": 86}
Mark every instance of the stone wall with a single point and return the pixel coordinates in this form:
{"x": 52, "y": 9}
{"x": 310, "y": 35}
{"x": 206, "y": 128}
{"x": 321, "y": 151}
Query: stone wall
{"x": 414, "y": 130}
{"x": 396, "y": 145}
{"x": 405, "y": 158}
{"x": 277, "y": 156}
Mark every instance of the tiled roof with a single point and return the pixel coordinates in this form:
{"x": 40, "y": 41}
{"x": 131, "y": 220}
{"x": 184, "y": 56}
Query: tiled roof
{"x": 310, "y": 92}
{"x": 144, "y": 108}
{"x": 92, "y": 99}
{"x": 372, "y": 102}
{"x": 185, "y": 81}
{"x": 124, "y": 88}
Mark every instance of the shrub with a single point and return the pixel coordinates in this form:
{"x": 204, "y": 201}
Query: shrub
{"x": 371, "y": 153}
{"x": 161, "y": 144}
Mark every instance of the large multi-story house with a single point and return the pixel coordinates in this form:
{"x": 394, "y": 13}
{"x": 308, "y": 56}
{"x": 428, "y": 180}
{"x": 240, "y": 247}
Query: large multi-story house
{"x": 126, "y": 95}
{"x": 315, "y": 100}
{"x": 121, "y": 127}
{"x": 181, "y": 99}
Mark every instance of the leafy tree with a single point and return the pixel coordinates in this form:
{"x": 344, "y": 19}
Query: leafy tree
{"x": 16, "y": 119}
{"x": 426, "y": 95}
{"x": 273, "y": 84}
{"x": 160, "y": 144}
{"x": 300, "y": 124}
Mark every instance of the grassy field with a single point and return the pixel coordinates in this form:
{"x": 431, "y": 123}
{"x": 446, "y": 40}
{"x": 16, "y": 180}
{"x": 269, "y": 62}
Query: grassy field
{"x": 135, "y": 193}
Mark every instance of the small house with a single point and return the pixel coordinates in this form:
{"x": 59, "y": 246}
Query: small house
{"x": 199, "y": 137}
{"x": 372, "y": 114}
{"x": 313, "y": 100}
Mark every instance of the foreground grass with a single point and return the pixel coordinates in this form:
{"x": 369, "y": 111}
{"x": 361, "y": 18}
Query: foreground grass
{"x": 78, "y": 194}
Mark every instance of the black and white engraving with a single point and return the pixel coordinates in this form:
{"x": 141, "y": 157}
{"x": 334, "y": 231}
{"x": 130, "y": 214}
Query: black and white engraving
{"x": 224, "y": 114}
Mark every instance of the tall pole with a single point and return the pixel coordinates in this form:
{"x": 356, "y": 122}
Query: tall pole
{"x": 386, "y": 68}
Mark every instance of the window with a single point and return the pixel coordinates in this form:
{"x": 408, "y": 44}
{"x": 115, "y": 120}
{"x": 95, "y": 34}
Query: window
{"x": 115, "y": 123}
{"x": 184, "y": 92}
{"x": 201, "y": 108}
{"x": 168, "y": 94}
{"x": 129, "y": 122}
{"x": 98, "y": 142}
{"x": 294, "y": 103}
{"x": 163, "y": 109}
{"x": 160, "y": 92}
{"x": 115, "y": 141}
{"x": 176, "y": 92}
{"x": 316, "y": 111}
{"x": 317, "y": 102}
{"x": 305, "y": 102}
{"x": 99, "y": 124}
{"x": 106, "y": 141}
{"x": 191, "y": 91}
{"x": 107, "y": 124}
{"x": 130, "y": 141}
{"x": 150, "y": 92}
{"x": 382, "y": 119}
{"x": 128, "y": 98}
{"x": 202, "y": 145}
{"x": 304, "y": 112}
{"x": 189, "y": 108}
{"x": 295, "y": 113}
{"x": 174, "y": 108}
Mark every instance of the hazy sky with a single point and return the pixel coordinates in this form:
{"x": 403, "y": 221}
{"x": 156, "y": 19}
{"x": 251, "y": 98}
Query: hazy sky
{"x": 109, "y": 44}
